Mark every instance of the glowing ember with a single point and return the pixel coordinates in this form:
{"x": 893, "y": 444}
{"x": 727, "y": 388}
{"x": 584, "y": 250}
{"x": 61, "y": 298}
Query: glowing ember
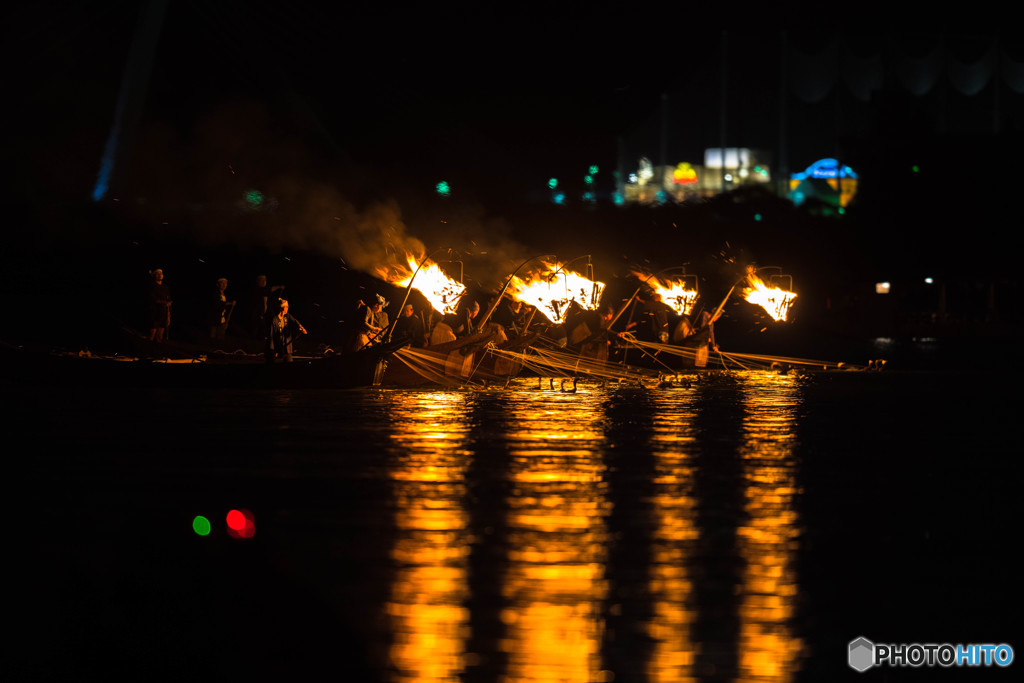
{"x": 553, "y": 288}
{"x": 673, "y": 293}
{"x": 772, "y": 299}
{"x": 441, "y": 291}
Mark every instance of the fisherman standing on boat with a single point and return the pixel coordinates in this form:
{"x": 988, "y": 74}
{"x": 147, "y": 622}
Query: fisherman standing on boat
{"x": 700, "y": 336}
{"x": 410, "y": 327}
{"x": 462, "y": 322}
{"x": 705, "y": 321}
{"x": 511, "y": 314}
{"x": 654, "y": 319}
{"x": 262, "y": 301}
{"x": 597, "y": 344}
{"x": 220, "y": 310}
{"x": 159, "y": 307}
{"x": 374, "y": 323}
{"x": 282, "y": 329}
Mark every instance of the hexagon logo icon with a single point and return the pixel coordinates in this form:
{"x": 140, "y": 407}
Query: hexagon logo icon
{"x": 862, "y": 654}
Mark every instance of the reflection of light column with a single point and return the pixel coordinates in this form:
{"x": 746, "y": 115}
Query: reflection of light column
{"x": 429, "y": 621}
{"x": 674, "y": 534}
{"x": 557, "y": 540}
{"x": 768, "y": 541}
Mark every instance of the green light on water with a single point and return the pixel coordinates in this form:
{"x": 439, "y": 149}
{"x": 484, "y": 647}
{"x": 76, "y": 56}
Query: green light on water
{"x": 201, "y": 525}
{"x": 915, "y": 168}
{"x": 589, "y": 180}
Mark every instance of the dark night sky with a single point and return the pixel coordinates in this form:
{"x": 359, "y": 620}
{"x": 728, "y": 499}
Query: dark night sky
{"x": 442, "y": 90}
{"x": 384, "y": 102}
{"x": 347, "y": 117}
{"x": 533, "y": 89}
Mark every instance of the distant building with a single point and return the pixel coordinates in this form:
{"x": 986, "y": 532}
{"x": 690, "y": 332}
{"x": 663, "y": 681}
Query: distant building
{"x": 722, "y": 170}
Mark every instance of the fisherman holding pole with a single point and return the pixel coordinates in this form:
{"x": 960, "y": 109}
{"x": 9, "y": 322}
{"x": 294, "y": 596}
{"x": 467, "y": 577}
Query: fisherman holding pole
{"x": 282, "y": 329}
{"x": 374, "y": 324}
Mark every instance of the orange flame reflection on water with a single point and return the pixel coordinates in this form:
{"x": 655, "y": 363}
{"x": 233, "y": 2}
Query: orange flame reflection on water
{"x": 558, "y": 542}
{"x": 554, "y": 587}
{"x": 674, "y": 541}
{"x": 429, "y": 620}
{"x": 768, "y": 541}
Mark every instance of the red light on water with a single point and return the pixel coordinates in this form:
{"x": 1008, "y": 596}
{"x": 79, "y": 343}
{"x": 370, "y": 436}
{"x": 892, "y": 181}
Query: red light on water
{"x": 241, "y": 524}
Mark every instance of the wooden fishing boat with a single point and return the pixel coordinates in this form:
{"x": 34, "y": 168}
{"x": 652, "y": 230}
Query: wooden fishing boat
{"x": 693, "y": 352}
{"x": 343, "y": 371}
{"x": 447, "y": 363}
{"x": 503, "y": 360}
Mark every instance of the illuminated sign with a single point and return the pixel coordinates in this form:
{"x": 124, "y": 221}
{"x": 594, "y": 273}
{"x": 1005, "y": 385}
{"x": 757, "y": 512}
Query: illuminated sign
{"x": 825, "y": 168}
{"x": 733, "y": 157}
{"x": 684, "y": 174}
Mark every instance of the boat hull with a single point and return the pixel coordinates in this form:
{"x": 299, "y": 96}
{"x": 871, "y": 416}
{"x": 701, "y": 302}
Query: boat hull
{"x": 446, "y": 364}
{"x": 333, "y": 372}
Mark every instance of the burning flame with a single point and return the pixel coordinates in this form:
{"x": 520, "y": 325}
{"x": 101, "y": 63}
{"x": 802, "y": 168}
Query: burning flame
{"x": 772, "y": 299}
{"x": 673, "y": 293}
{"x": 553, "y": 288}
{"x": 441, "y": 291}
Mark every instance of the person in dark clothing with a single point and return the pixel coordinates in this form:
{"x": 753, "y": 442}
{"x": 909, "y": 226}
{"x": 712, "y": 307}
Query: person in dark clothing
{"x": 706, "y": 322}
{"x": 220, "y": 310}
{"x": 410, "y": 327}
{"x": 511, "y": 314}
{"x": 462, "y": 321}
{"x": 159, "y": 307}
{"x": 655, "y": 320}
{"x": 596, "y": 325}
{"x": 262, "y": 300}
{"x": 282, "y": 329}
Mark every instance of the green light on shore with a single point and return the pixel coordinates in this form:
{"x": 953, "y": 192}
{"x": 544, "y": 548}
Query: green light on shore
{"x": 201, "y": 525}
{"x": 254, "y": 198}
{"x": 443, "y": 188}
{"x": 553, "y": 183}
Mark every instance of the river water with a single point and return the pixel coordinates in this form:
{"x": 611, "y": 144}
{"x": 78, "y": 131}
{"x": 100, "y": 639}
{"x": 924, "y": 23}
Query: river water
{"x": 741, "y": 526}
